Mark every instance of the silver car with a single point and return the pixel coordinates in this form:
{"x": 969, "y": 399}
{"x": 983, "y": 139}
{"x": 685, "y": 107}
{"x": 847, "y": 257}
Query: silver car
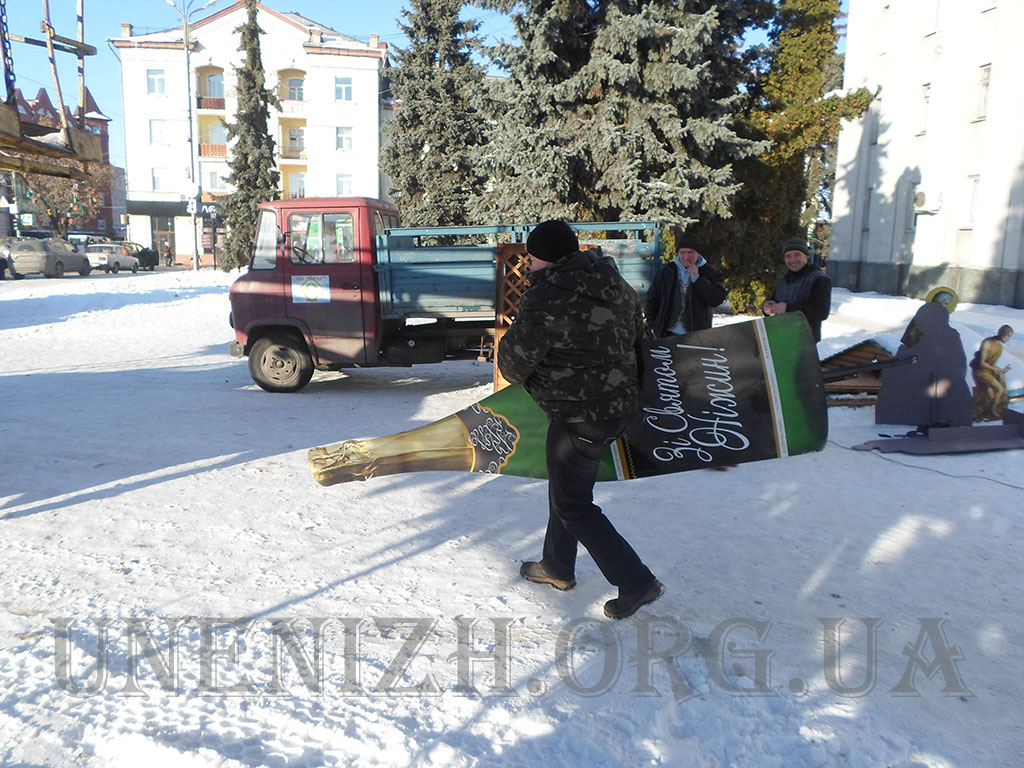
{"x": 50, "y": 256}
{"x": 111, "y": 257}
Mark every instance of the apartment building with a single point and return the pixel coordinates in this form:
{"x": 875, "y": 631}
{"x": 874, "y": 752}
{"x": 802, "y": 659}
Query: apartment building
{"x": 177, "y": 103}
{"x": 930, "y": 182}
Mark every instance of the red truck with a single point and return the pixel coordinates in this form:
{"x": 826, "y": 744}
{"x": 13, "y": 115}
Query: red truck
{"x": 334, "y": 283}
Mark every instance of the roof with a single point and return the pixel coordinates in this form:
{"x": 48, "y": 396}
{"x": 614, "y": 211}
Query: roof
{"x": 330, "y": 40}
{"x": 43, "y": 111}
{"x": 864, "y": 353}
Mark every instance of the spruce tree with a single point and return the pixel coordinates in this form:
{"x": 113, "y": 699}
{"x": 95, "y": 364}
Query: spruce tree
{"x": 618, "y": 109}
{"x": 253, "y": 177}
{"x": 658, "y": 99}
{"x": 789, "y": 107}
{"x": 430, "y": 154}
{"x": 531, "y": 160}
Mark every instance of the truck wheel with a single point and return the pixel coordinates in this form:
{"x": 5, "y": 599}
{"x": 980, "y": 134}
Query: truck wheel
{"x": 280, "y": 364}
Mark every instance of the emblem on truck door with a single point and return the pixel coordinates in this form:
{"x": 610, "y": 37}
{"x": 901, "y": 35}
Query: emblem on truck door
{"x": 311, "y": 289}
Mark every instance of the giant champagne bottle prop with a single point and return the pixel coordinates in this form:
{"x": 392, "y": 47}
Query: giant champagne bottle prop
{"x": 729, "y": 395}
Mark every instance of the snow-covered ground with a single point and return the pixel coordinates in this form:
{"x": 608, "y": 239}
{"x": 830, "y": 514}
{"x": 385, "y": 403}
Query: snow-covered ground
{"x": 155, "y": 503}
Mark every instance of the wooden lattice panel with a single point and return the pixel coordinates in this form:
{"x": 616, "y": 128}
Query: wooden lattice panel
{"x": 513, "y": 264}
{"x": 513, "y": 267}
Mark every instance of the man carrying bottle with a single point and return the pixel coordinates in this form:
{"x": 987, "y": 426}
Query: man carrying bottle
{"x": 573, "y": 346}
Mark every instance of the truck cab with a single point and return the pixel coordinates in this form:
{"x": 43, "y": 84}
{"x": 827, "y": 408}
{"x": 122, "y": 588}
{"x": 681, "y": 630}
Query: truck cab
{"x": 309, "y": 298}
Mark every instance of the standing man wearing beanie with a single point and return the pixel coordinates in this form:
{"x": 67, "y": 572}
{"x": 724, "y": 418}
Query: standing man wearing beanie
{"x": 573, "y": 346}
{"x": 684, "y": 292}
{"x": 804, "y": 288}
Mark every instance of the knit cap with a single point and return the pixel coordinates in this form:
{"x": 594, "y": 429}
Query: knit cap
{"x": 796, "y": 244}
{"x": 689, "y": 240}
{"x": 552, "y": 240}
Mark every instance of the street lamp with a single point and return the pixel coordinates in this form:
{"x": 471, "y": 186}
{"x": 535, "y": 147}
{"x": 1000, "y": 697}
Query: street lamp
{"x": 186, "y": 12}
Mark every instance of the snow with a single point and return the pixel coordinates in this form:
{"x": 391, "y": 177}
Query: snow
{"x": 150, "y": 487}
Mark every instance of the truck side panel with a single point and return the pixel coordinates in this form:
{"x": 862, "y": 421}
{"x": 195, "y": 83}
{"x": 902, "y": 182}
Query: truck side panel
{"x": 439, "y": 281}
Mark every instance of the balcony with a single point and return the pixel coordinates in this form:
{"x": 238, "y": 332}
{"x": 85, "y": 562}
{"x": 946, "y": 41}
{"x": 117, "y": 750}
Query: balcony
{"x": 207, "y": 102}
{"x": 213, "y": 150}
{"x": 293, "y": 153}
{"x": 293, "y": 107}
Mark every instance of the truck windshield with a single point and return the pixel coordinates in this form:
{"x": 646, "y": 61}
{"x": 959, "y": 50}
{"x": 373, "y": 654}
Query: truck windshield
{"x": 265, "y": 255}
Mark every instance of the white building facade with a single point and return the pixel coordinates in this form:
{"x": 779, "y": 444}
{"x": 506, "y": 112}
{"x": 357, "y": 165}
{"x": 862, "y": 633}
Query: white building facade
{"x": 930, "y": 182}
{"x": 327, "y": 131}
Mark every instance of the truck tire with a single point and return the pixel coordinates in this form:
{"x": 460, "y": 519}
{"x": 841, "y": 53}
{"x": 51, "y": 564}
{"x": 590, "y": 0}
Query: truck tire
{"x": 280, "y": 363}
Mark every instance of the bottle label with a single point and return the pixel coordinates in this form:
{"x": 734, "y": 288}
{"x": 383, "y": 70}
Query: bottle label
{"x": 493, "y": 437}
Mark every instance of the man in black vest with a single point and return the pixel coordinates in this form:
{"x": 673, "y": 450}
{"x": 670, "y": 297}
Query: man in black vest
{"x": 804, "y": 288}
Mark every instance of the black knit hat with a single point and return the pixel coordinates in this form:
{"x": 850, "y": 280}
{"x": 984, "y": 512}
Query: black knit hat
{"x": 689, "y": 240}
{"x": 552, "y": 240}
{"x": 796, "y": 244}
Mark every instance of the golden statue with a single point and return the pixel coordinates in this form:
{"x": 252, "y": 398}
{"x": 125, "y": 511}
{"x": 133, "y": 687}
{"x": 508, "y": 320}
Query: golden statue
{"x": 990, "y": 396}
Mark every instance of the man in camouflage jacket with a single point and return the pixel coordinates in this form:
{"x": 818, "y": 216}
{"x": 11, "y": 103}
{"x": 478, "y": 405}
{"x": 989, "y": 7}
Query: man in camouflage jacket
{"x": 573, "y": 346}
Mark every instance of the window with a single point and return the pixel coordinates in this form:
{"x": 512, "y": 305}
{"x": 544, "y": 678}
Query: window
{"x": 295, "y": 85}
{"x": 160, "y": 179}
{"x": 873, "y": 124}
{"x": 343, "y": 89}
{"x": 339, "y": 238}
{"x": 158, "y": 132}
{"x": 216, "y": 181}
{"x": 926, "y": 98}
{"x": 218, "y": 133}
{"x": 931, "y": 17}
{"x": 155, "y": 82}
{"x": 315, "y": 238}
{"x": 296, "y": 139}
{"x": 215, "y": 86}
{"x": 984, "y": 77}
{"x": 343, "y": 138}
{"x": 971, "y": 199}
{"x": 344, "y": 185}
{"x": 265, "y": 255}
{"x": 296, "y": 185}
{"x": 101, "y": 223}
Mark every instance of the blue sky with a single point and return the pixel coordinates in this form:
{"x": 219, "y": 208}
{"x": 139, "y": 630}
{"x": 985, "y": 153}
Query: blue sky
{"x": 103, "y": 21}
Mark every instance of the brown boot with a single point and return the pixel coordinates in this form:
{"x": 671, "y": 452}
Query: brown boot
{"x": 626, "y": 605}
{"x": 535, "y": 572}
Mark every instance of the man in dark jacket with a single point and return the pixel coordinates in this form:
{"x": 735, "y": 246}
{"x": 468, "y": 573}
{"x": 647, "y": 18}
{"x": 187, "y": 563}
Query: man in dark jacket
{"x": 573, "y": 346}
{"x": 684, "y": 292}
{"x": 804, "y": 288}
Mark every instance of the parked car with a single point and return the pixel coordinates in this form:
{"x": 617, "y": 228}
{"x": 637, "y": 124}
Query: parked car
{"x": 111, "y": 257}
{"x": 147, "y": 256}
{"x": 81, "y": 240}
{"x": 50, "y": 256}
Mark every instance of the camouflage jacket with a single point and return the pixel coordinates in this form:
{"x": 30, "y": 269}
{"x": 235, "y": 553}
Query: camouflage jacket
{"x": 573, "y": 344}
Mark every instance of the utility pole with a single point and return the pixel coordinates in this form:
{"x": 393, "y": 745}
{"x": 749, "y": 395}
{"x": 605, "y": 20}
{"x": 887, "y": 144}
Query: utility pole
{"x": 192, "y": 205}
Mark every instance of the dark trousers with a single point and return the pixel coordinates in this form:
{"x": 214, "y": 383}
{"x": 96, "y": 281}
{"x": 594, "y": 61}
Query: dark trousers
{"x": 574, "y": 451}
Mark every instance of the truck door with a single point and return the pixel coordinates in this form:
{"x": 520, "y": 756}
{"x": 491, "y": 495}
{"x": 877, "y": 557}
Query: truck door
{"x": 325, "y": 290}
